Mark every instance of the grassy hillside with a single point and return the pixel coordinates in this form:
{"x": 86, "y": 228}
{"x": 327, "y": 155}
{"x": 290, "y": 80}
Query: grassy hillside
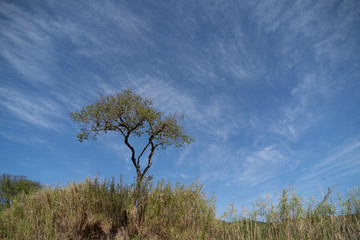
{"x": 108, "y": 210}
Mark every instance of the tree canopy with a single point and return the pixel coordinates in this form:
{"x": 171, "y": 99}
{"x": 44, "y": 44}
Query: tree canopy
{"x": 11, "y": 186}
{"x": 132, "y": 115}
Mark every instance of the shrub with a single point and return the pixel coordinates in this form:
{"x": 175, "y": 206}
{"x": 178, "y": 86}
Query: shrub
{"x": 11, "y": 186}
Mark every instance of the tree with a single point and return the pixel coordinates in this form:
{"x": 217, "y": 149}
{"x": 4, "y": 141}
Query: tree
{"x": 132, "y": 116}
{"x": 11, "y": 186}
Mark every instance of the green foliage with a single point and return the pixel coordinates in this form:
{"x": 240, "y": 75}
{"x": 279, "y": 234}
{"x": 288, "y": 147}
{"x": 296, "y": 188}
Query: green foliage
{"x": 11, "y": 186}
{"x": 132, "y": 116}
{"x": 129, "y": 113}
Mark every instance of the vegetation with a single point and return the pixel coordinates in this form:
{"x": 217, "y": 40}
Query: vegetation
{"x": 11, "y": 186}
{"x": 96, "y": 209}
{"x": 132, "y": 116}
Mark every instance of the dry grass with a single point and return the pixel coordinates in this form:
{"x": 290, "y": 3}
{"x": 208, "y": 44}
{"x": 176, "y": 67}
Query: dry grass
{"x": 293, "y": 218}
{"x": 107, "y": 210}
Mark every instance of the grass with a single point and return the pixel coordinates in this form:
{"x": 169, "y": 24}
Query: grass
{"x": 96, "y": 209}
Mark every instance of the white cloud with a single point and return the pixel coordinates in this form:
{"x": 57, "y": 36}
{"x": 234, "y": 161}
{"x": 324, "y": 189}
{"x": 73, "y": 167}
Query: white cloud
{"x": 265, "y": 164}
{"x": 185, "y": 155}
{"x": 324, "y": 29}
{"x": 183, "y": 175}
{"x": 304, "y": 108}
{"x": 247, "y": 167}
{"x": 215, "y": 117}
{"x": 38, "y": 47}
{"x": 27, "y": 139}
{"x": 32, "y": 109}
{"x": 339, "y": 40}
{"x": 342, "y": 161}
{"x": 120, "y": 150}
{"x": 101, "y": 31}
{"x": 25, "y": 44}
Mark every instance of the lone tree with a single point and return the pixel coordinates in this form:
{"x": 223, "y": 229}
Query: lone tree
{"x": 132, "y": 116}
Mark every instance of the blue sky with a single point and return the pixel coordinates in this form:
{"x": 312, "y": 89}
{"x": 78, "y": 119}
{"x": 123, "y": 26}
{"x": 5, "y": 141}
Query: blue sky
{"x": 270, "y": 90}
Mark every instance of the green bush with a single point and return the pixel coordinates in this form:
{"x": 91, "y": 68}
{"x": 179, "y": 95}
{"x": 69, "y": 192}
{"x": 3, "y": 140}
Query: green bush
{"x": 11, "y": 186}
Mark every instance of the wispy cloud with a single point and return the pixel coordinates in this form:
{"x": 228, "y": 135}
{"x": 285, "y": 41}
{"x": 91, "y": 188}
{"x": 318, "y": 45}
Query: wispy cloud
{"x": 38, "y": 46}
{"x": 121, "y": 152}
{"x": 25, "y": 44}
{"x": 215, "y": 117}
{"x": 184, "y": 155}
{"x": 183, "y": 175}
{"x": 32, "y": 109}
{"x": 226, "y": 57}
{"x": 27, "y": 139}
{"x": 325, "y": 33}
{"x": 342, "y": 161}
{"x": 338, "y": 41}
{"x": 126, "y": 31}
{"x": 300, "y": 113}
{"x": 247, "y": 167}
{"x": 265, "y": 164}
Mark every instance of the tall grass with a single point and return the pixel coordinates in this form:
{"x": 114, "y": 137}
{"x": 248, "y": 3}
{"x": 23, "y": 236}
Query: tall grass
{"x": 96, "y": 209}
{"x": 77, "y": 211}
{"x": 291, "y": 217}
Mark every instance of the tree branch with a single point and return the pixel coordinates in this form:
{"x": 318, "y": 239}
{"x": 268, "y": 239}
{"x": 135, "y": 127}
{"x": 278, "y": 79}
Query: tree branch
{"x": 147, "y": 145}
{"x": 126, "y": 141}
{"x": 153, "y": 147}
{"x": 137, "y": 125}
{"x": 122, "y": 123}
{"x": 122, "y": 132}
{"x": 150, "y": 142}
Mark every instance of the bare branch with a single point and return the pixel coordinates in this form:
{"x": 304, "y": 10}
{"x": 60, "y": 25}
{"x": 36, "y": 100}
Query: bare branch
{"x": 150, "y": 142}
{"x": 137, "y": 125}
{"x": 153, "y": 147}
{"x": 126, "y": 141}
{"x": 122, "y": 132}
{"x": 122, "y": 123}
{"x": 147, "y": 145}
